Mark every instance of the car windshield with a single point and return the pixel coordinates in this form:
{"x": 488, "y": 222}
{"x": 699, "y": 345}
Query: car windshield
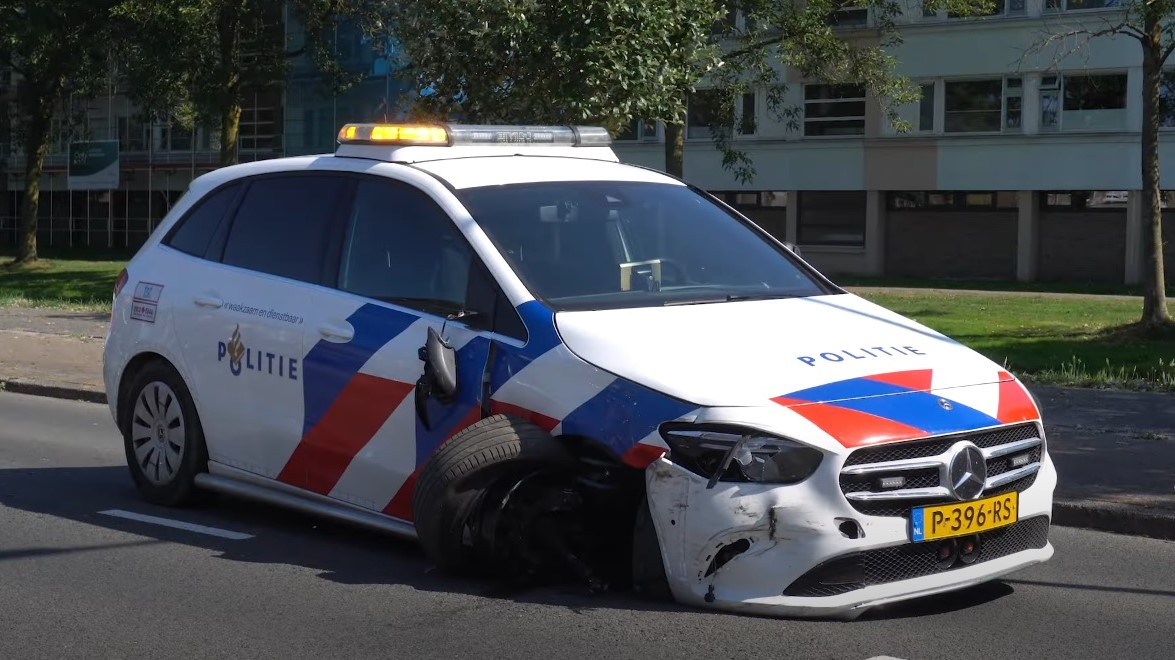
{"x": 609, "y": 244}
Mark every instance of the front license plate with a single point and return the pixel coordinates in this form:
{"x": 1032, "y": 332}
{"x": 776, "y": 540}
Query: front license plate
{"x": 928, "y": 523}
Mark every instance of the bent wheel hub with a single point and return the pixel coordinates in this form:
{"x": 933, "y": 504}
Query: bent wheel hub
{"x": 158, "y": 433}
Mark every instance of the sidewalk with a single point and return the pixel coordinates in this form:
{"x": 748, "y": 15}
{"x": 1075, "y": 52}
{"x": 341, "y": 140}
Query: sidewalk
{"x": 1114, "y": 450}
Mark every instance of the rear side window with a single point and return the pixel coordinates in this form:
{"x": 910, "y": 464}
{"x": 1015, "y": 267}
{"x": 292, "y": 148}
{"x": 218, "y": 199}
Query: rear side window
{"x": 195, "y": 232}
{"x": 284, "y": 225}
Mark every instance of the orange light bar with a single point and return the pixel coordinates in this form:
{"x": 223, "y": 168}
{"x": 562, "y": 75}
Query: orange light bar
{"x": 402, "y": 134}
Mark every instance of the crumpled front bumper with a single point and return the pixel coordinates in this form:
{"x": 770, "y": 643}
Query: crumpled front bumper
{"x": 788, "y": 531}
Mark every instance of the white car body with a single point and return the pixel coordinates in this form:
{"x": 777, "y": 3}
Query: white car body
{"x": 319, "y": 404}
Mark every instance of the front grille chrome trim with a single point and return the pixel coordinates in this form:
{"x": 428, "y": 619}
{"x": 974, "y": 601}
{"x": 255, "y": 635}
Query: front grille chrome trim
{"x": 931, "y": 463}
{"x": 1012, "y": 448}
{"x": 923, "y": 463}
{"x": 903, "y": 494}
{"x": 1008, "y": 477}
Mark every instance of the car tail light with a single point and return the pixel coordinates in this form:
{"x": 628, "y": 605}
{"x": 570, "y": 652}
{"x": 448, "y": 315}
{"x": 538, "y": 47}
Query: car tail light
{"x": 120, "y": 282}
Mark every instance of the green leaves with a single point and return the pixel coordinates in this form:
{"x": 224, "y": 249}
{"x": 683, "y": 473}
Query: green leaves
{"x": 518, "y": 61}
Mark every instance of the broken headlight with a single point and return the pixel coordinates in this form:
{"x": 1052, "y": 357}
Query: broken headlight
{"x": 726, "y": 453}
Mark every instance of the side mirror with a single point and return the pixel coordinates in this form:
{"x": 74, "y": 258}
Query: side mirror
{"x": 441, "y": 359}
{"x": 440, "y": 374}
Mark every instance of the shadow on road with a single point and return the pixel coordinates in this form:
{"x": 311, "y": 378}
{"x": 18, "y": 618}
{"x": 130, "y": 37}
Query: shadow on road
{"x": 337, "y": 552}
{"x": 942, "y": 603}
{"x": 1094, "y": 587}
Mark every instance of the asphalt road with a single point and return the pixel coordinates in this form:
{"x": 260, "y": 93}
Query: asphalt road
{"x": 75, "y": 582}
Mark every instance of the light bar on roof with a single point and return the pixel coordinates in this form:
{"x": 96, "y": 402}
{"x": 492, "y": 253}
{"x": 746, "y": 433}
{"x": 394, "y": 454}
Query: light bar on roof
{"x": 404, "y": 134}
{"x": 445, "y": 135}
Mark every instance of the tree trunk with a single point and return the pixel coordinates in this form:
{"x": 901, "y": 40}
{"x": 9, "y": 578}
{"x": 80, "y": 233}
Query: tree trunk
{"x": 36, "y": 144}
{"x": 230, "y": 122}
{"x": 1154, "y": 301}
{"x": 228, "y": 25}
{"x": 675, "y": 149}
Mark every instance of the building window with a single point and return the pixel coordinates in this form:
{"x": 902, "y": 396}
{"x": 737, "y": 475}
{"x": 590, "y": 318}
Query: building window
{"x": 1167, "y": 99}
{"x": 1083, "y": 102}
{"x": 952, "y": 200}
{"x": 728, "y": 23}
{"x": 849, "y": 13}
{"x": 639, "y": 129}
{"x": 1074, "y": 200}
{"x": 1078, "y": 5}
{"x": 703, "y": 116}
{"x": 832, "y": 219}
{"x": 999, "y": 8}
{"x": 753, "y": 199}
{"x": 983, "y": 106}
{"x": 926, "y": 108}
{"x": 132, "y": 134}
{"x": 834, "y": 110}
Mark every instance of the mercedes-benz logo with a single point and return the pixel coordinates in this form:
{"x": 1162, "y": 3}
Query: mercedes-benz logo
{"x": 967, "y": 472}
{"x": 944, "y": 404}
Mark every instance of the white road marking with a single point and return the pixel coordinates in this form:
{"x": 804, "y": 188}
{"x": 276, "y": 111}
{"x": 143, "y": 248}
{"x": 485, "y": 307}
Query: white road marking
{"x": 177, "y": 524}
{"x": 883, "y": 657}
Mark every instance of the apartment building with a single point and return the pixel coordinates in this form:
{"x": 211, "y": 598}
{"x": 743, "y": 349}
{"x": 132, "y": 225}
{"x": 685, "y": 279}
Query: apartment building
{"x": 1015, "y": 167}
{"x": 157, "y": 158}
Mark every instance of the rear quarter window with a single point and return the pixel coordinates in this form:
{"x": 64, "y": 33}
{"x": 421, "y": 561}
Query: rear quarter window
{"x": 193, "y": 233}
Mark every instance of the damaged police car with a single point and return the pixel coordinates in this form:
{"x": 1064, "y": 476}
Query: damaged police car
{"x": 536, "y": 360}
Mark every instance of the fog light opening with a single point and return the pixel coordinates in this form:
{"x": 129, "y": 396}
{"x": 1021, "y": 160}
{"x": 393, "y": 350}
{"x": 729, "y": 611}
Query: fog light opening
{"x": 726, "y": 553}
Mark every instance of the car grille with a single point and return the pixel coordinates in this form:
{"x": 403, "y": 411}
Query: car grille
{"x": 913, "y": 560}
{"x": 923, "y": 462}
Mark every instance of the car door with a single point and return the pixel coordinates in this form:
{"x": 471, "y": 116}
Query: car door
{"x": 240, "y": 327}
{"x": 404, "y": 267}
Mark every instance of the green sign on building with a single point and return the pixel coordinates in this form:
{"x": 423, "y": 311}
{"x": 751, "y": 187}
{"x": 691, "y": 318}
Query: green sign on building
{"x": 93, "y": 165}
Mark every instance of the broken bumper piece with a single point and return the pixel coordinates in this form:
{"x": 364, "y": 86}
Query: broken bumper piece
{"x": 803, "y": 550}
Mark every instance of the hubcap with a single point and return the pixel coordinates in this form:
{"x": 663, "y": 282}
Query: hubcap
{"x": 157, "y": 433}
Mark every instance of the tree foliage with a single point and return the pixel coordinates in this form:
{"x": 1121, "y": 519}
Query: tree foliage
{"x": 57, "y": 49}
{"x": 1150, "y": 24}
{"x": 524, "y": 61}
{"x": 194, "y": 59}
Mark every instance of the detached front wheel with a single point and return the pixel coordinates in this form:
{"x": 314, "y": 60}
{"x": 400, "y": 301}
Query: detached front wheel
{"x": 461, "y": 487}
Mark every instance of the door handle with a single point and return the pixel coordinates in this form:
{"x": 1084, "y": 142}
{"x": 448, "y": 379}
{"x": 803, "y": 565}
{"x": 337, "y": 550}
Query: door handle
{"x": 209, "y": 301}
{"x": 338, "y": 332}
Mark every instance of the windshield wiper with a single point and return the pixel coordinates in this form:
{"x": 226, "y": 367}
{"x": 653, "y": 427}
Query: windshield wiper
{"x": 730, "y": 297}
{"x": 760, "y": 296}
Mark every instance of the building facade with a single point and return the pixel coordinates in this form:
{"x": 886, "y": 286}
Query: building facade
{"x": 158, "y": 158}
{"x": 1014, "y": 167}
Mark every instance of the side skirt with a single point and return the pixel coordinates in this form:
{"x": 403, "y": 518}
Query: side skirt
{"x": 239, "y": 483}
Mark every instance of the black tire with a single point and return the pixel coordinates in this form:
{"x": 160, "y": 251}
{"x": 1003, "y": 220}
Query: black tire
{"x": 454, "y": 483}
{"x": 146, "y": 387}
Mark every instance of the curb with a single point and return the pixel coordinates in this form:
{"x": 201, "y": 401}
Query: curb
{"x": 53, "y": 391}
{"x": 1115, "y": 518}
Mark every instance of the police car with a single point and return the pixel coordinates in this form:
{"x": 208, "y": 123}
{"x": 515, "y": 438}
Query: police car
{"x": 541, "y": 362}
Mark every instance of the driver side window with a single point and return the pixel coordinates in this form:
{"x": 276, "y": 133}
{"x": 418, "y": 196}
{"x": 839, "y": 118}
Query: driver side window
{"x": 401, "y": 248}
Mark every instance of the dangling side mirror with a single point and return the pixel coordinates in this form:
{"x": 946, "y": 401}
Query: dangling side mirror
{"x": 442, "y": 360}
{"x": 440, "y": 374}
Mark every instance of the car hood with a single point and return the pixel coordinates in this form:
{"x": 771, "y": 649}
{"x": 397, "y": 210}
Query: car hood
{"x": 795, "y": 350}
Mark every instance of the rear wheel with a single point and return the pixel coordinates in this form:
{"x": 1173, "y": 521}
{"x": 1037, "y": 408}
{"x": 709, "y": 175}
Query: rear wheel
{"x": 162, "y": 436}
